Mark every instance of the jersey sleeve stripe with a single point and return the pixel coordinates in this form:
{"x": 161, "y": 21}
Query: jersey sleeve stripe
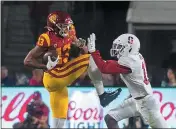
{"x": 46, "y": 38}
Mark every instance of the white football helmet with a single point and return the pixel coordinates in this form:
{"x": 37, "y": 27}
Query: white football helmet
{"x": 124, "y": 45}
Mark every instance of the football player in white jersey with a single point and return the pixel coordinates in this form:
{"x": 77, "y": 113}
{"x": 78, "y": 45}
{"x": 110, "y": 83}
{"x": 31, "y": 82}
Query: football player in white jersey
{"x": 132, "y": 69}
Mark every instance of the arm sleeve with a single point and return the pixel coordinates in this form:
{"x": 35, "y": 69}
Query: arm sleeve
{"x": 43, "y": 40}
{"x": 109, "y": 66}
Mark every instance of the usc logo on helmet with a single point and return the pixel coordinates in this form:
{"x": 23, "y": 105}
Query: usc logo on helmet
{"x": 53, "y": 18}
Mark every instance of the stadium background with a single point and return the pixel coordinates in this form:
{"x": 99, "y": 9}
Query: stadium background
{"x": 153, "y": 22}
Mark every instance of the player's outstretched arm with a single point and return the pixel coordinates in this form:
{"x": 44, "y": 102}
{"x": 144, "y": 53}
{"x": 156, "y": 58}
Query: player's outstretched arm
{"x": 109, "y": 66}
{"x": 32, "y": 58}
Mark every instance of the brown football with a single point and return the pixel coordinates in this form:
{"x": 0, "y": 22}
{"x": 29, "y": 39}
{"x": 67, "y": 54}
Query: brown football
{"x": 52, "y": 54}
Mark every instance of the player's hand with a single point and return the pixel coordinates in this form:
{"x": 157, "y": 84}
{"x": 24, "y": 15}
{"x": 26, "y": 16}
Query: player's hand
{"x": 91, "y": 43}
{"x": 80, "y": 42}
{"x": 51, "y": 64}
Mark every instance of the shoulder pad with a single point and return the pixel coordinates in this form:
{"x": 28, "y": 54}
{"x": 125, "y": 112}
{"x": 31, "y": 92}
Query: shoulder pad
{"x": 126, "y": 61}
{"x": 44, "y": 40}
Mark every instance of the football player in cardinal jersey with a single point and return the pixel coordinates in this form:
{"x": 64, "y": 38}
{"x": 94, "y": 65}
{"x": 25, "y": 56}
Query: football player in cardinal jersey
{"x": 132, "y": 69}
{"x": 61, "y": 72}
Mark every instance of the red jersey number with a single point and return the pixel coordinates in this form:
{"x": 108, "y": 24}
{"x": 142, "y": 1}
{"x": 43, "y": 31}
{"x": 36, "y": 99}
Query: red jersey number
{"x": 146, "y": 81}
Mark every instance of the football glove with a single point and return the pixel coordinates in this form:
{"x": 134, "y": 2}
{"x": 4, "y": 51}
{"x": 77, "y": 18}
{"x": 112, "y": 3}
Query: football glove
{"x": 51, "y": 64}
{"x": 91, "y": 43}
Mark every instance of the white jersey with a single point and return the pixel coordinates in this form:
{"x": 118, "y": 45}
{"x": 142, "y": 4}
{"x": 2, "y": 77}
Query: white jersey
{"x": 137, "y": 81}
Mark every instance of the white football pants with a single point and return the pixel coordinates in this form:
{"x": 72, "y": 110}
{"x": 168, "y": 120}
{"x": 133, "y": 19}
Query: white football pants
{"x": 95, "y": 76}
{"x": 148, "y": 108}
{"x": 58, "y": 123}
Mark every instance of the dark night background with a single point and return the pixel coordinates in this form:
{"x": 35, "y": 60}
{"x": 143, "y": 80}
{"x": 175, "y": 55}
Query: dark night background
{"x": 23, "y": 22}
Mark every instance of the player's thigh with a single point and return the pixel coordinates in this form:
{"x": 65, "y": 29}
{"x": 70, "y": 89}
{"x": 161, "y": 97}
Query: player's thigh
{"x": 59, "y": 103}
{"x": 58, "y": 95}
{"x": 56, "y": 84}
{"x": 148, "y": 106}
{"x": 125, "y": 110}
{"x": 52, "y": 83}
{"x": 149, "y": 109}
{"x": 72, "y": 70}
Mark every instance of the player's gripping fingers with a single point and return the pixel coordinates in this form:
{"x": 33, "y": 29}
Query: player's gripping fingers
{"x": 88, "y": 41}
{"x": 49, "y": 59}
{"x": 57, "y": 59}
{"x": 93, "y": 37}
{"x": 82, "y": 42}
{"x": 89, "y": 44}
{"x": 92, "y": 40}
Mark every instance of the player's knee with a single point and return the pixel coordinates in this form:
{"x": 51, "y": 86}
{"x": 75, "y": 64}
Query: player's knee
{"x": 108, "y": 119}
{"x": 94, "y": 74}
{"x": 92, "y": 69}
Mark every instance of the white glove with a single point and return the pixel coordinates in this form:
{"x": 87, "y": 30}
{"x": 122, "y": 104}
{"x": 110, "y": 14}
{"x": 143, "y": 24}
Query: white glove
{"x": 51, "y": 64}
{"x": 91, "y": 43}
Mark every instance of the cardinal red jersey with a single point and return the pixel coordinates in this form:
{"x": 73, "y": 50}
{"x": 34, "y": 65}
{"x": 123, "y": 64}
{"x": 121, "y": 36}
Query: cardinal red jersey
{"x": 60, "y": 44}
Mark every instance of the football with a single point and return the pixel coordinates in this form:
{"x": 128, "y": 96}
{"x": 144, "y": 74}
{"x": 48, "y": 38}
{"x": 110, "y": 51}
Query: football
{"x": 52, "y": 54}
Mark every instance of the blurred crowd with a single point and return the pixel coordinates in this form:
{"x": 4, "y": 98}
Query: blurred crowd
{"x": 20, "y": 79}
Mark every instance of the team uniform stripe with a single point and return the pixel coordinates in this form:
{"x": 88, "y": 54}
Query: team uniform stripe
{"x": 67, "y": 74}
{"x": 74, "y": 60}
{"x": 71, "y": 65}
{"x": 47, "y": 38}
{"x": 70, "y": 69}
{"x": 56, "y": 71}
